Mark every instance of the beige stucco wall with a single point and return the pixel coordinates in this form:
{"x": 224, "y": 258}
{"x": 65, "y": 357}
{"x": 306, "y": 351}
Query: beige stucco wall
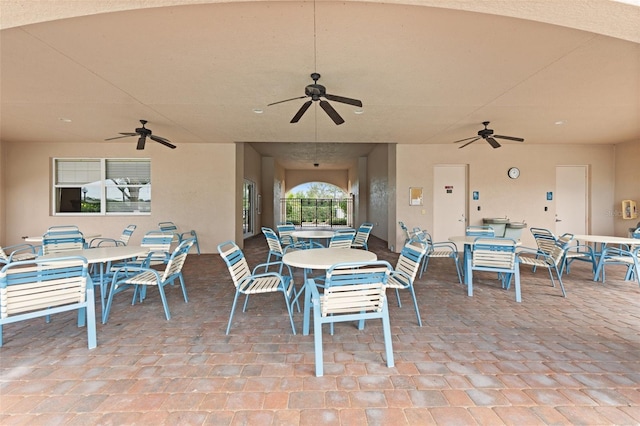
{"x": 519, "y": 199}
{"x": 3, "y": 223}
{"x": 193, "y": 186}
{"x": 378, "y": 188}
{"x": 196, "y": 186}
{"x": 627, "y": 158}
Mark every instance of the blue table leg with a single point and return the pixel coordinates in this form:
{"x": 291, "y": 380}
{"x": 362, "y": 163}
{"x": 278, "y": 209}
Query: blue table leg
{"x": 307, "y": 306}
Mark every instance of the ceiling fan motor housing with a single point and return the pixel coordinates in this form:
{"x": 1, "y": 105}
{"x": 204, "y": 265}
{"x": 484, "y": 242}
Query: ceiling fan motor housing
{"x": 143, "y": 131}
{"x": 315, "y": 90}
{"x": 485, "y": 133}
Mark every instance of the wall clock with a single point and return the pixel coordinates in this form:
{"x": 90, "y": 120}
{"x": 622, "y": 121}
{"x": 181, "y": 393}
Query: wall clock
{"x": 514, "y": 172}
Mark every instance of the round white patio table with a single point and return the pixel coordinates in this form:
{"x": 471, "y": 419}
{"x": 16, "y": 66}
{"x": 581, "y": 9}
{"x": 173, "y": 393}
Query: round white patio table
{"x": 313, "y": 234}
{"x": 101, "y": 255}
{"x": 322, "y": 259}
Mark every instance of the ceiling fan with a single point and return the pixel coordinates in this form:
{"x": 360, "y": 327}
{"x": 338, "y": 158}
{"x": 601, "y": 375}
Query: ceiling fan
{"x": 316, "y": 91}
{"x": 487, "y": 134}
{"x": 143, "y": 132}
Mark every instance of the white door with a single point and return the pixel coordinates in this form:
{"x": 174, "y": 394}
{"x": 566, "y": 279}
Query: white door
{"x": 571, "y": 200}
{"x": 449, "y": 201}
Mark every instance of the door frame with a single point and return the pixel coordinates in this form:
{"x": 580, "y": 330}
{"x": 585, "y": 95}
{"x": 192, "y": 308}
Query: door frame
{"x": 587, "y": 198}
{"x": 249, "y": 203}
{"x": 465, "y": 200}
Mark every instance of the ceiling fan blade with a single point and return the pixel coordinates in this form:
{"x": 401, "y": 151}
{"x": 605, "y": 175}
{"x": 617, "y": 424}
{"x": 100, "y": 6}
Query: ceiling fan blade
{"x": 354, "y": 102}
{"x": 141, "y": 142}
{"x": 305, "y": 106}
{"x": 163, "y": 141}
{"x": 511, "y": 138}
{"x": 470, "y": 142}
{"x": 287, "y": 100}
{"x": 466, "y": 139}
{"x": 494, "y": 143}
{"x": 326, "y": 106}
{"x": 126, "y": 135}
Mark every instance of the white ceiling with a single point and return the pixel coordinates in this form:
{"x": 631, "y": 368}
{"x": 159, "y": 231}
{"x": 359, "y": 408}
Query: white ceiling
{"x": 425, "y": 74}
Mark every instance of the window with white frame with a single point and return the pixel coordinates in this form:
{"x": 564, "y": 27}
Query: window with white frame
{"x": 99, "y": 186}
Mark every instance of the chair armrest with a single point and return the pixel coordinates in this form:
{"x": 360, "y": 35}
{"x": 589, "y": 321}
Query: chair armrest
{"x": 19, "y": 249}
{"x": 533, "y": 252}
{"x": 266, "y": 266}
{"x": 616, "y": 251}
{"x": 300, "y": 245}
{"x": 127, "y": 271}
{"x": 147, "y": 261}
{"x": 528, "y": 250}
{"x": 287, "y": 240}
{"x": 445, "y": 244}
{"x": 581, "y": 247}
{"x": 97, "y": 242}
{"x": 191, "y": 233}
{"x": 402, "y": 277}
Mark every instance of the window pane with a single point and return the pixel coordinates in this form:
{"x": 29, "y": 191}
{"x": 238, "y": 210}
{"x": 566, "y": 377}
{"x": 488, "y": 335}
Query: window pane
{"x": 77, "y": 200}
{"x": 73, "y": 172}
{"x": 102, "y": 185}
{"x": 133, "y": 171}
{"x": 128, "y": 198}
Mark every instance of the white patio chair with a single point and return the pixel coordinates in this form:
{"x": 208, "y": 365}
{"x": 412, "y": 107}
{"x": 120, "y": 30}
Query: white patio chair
{"x": 353, "y": 292}
{"x": 139, "y": 278}
{"x": 249, "y": 283}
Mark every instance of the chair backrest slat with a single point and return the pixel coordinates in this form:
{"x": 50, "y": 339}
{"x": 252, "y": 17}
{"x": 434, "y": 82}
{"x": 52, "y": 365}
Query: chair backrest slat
{"x": 410, "y": 258}
{"x": 494, "y": 253}
{"x": 27, "y": 286}
{"x": 272, "y": 240}
{"x": 285, "y": 230}
{"x": 168, "y": 227}
{"x": 177, "y": 259}
{"x": 362, "y": 236}
{"x": 59, "y": 239}
{"x": 126, "y": 234}
{"x": 235, "y": 260}
{"x": 353, "y": 288}
{"x": 480, "y": 231}
{"x": 342, "y": 239}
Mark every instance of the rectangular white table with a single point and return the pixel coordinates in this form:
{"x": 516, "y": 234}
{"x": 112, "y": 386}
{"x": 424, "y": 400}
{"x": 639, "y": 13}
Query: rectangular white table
{"x": 102, "y": 255}
{"x": 322, "y": 259}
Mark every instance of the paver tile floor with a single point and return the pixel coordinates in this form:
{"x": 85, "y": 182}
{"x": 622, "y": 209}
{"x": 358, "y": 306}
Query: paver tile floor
{"x": 482, "y": 360}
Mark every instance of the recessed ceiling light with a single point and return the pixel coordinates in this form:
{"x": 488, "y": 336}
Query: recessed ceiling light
{"x": 258, "y": 110}
{"x": 559, "y": 123}
{"x": 65, "y": 120}
{"x": 358, "y": 111}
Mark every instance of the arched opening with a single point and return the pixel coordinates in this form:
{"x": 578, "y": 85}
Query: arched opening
{"x": 317, "y": 204}
{"x": 317, "y": 190}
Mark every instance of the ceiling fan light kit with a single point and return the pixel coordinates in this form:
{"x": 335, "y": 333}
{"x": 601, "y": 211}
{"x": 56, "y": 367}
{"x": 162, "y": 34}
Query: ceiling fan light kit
{"x": 487, "y": 134}
{"x": 143, "y": 133}
{"x": 317, "y": 92}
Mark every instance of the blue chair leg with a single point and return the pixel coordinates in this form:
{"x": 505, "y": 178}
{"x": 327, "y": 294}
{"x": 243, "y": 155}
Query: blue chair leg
{"x": 233, "y": 308}
{"x": 386, "y": 330}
